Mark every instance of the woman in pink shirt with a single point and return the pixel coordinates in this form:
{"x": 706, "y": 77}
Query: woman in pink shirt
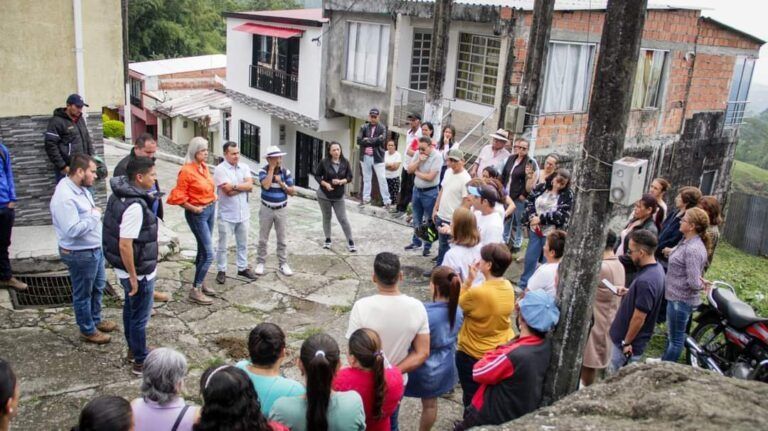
{"x": 380, "y": 385}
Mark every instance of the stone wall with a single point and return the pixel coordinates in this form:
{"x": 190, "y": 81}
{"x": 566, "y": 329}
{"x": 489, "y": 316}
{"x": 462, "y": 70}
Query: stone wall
{"x": 170, "y": 146}
{"x": 33, "y": 172}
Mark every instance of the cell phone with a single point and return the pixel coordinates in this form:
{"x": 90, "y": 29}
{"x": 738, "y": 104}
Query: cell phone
{"x": 610, "y": 286}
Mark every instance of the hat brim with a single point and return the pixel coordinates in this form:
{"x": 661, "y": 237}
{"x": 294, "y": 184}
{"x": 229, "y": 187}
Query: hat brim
{"x": 455, "y": 159}
{"x": 499, "y": 137}
{"x": 276, "y": 155}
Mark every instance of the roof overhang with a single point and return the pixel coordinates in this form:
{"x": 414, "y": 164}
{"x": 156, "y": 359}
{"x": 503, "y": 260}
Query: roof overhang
{"x": 269, "y": 30}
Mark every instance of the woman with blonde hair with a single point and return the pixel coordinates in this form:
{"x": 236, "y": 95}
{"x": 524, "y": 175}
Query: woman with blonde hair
{"x": 465, "y": 244}
{"x": 196, "y": 193}
{"x": 683, "y": 282}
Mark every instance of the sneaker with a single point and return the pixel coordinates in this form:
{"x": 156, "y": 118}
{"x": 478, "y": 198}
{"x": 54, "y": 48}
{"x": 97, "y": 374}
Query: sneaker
{"x": 259, "y": 270}
{"x": 221, "y": 277}
{"x": 286, "y": 270}
{"x": 363, "y": 203}
{"x": 106, "y": 326}
{"x": 161, "y": 297}
{"x": 388, "y": 208}
{"x": 327, "y": 244}
{"x": 137, "y": 369}
{"x": 14, "y": 283}
{"x": 197, "y": 296}
{"x": 247, "y": 273}
{"x": 412, "y": 246}
{"x": 434, "y": 259}
{"x": 425, "y": 252}
{"x": 207, "y": 290}
{"x": 96, "y": 338}
{"x": 351, "y": 247}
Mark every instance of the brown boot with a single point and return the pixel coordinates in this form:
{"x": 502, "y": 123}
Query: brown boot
{"x": 106, "y": 326}
{"x": 197, "y": 296}
{"x": 161, "y": 296}
{"x": 96, "y": 338}
{"x": 207, "y": 290}
{"x": 13, "y": 283}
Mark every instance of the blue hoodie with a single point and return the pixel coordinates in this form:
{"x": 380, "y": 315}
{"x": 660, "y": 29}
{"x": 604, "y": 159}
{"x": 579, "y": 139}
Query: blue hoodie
{"x": 7, "y": 188}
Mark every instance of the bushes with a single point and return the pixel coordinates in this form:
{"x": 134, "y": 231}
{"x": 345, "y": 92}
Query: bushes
{"x": 114, "y": 129}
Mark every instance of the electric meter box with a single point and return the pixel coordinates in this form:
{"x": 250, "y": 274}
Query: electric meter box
{"x": 628, "y": 180}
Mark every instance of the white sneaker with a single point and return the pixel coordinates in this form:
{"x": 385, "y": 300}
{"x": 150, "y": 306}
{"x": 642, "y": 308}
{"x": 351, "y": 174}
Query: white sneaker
{"x": 286, "y": 270}
{"x": 259, "y": 270}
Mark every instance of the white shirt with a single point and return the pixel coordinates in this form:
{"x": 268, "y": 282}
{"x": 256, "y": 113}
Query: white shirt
{"x": 393, "y": 158}
{"x": 453, "y": 193}
{"x": 544, "y": 279}
{"x": 487, "y": 158}
{"x": 491, "y": 227}
{"x": 396, "y": 318}
{"x": 232, "y": 209}
{"x": 459, "y": 257}
{"x": 130, "y": 227}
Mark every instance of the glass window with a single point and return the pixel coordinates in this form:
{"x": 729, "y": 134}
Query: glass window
{"x": 478, "y": 65}
{"x": 568, "y": 77}
{"x": 740, "y": 83}
{"x": 649, "y": 79}
{"x": 250, "y": 141}
{"x": 422, "y": 45}
{"x": 367, "y": 53}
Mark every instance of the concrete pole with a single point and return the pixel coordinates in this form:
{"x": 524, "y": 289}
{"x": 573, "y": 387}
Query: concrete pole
{"x": 433, "y": 109}
{"x": 128, "y": 126}
{"x": 606, "y": 131}
{"x": 538, "y": 47}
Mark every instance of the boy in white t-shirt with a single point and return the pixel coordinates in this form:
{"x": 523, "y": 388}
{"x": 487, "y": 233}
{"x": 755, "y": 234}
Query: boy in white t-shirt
{"x": 545, "y": 277}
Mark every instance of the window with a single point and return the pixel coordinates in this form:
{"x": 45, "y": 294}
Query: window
{"x": 167, "y": 126}
{"x": 135, "y": 92}
{"x": 422, "y": 45}
{"x": 568, "y": 77}
{"x": 250, "y": 140}
{"x": 309, "y": 152}
{"x": 707, "y": 185}
{"x": 367, "y": 53}
{"x": 737, "y": 98}
{"x": 477, "y": 68}
{"x": 275, "y": 65}
{"x": 648, "y": 80}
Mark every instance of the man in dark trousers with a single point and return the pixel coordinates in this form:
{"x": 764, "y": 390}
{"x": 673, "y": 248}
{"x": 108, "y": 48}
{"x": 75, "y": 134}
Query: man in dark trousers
{"x": 372, "y": 142}
{"x": 130, "y": 245}
{"x": 7, "y": 217}
{"x": 67, "y": 135}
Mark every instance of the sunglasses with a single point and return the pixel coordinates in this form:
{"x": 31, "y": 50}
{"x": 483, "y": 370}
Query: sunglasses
{"x": 520, "y": 147}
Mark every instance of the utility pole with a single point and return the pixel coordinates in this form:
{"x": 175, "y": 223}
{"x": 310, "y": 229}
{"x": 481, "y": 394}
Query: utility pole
{"x": 441, "y": 18}
{"x": 604, "y": 142}
{"x": 126, "y": 75}
{"x": 538, "y": 47}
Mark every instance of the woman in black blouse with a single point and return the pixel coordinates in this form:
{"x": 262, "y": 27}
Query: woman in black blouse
{"x": 332, "y": 174}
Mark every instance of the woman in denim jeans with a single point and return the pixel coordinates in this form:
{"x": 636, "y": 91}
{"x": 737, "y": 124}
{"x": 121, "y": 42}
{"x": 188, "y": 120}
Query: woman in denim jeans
{"x": 683, "y": 283}
{"x": 196, "y": 193}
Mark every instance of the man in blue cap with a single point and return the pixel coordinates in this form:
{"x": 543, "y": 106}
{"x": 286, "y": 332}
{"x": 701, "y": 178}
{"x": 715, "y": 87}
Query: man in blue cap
{"x": 67, "y": 135}
{"x": 512, "y": 376}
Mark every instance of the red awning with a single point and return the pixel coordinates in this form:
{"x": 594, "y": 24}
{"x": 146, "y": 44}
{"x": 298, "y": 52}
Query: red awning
{"x": 268, "y": 30}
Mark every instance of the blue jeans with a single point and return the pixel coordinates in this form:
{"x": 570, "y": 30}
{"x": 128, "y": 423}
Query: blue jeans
{"x": 423, "y": 203}
{"x": 515, "y": 222}
{"x": 532, "y": 256}
{"x": 444, "y": 241}
{"x": 201, "y": 226}
{"x": 678, "y": 313}
{"x": 393, "y": 420}
{"x": 136, "y": 312}
{"x": 86, "y": 269}
{"x": 618, "y": 359}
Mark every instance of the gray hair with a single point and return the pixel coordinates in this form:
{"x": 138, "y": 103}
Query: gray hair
{"x": 196, "y": 145}
{"x": 162, "y": 375}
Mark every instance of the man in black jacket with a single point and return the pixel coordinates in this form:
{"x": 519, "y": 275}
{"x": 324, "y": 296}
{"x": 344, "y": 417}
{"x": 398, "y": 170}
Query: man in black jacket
{"x": 372, "y": 142}
{"x": 67, "y": 135}
{"x": 130, "y": 244}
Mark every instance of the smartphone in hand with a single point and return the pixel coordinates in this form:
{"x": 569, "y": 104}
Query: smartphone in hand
{"x": 610, "y": 286}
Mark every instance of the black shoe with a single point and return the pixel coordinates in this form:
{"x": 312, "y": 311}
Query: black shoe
{"x": 221, "y": 277}
{"x": 412, "y": 246}
{"x": 434, "y": 259}
{"x": 327, "y": 244}
{"x": 425, "y": 252}
{"x": 247, "y": 273}
{"x": 351, "y": 247}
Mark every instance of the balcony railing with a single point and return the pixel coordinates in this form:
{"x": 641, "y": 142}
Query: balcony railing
{"x": 734, "y": 114}
{"x": 275, "y": 82}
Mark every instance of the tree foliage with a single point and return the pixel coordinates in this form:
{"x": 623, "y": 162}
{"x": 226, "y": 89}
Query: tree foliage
{"x": 753, "y": 141}
{"x": 160, "y": 29}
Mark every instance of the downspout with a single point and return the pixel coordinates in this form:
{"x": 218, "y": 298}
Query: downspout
{"x": 77, "y": 6}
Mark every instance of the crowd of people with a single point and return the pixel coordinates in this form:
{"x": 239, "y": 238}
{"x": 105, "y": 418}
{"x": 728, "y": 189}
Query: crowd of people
{"x": 479, "y": 330}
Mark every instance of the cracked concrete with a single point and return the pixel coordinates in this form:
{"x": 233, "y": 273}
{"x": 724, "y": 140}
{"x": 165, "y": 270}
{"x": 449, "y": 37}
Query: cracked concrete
{"x": 59, "y": 373}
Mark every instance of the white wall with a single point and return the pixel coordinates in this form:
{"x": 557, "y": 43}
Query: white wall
{"x": 240, "y": 55}
{"x": 260, "y": 119}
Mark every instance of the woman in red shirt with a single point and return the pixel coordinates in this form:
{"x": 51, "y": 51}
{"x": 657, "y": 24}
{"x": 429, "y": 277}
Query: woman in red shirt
{"x": 196, "y": 193}
{"x": 380, "y": 385}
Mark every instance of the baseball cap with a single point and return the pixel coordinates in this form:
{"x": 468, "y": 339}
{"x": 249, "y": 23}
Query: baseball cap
{"x": 455, "y": 154}
{"x": 374, "y": 111}
{"x": 484, "y": 192}
{"x": 414, "y": 116}
{"x": 539, "y": 311}
{"x": 76, "y": 99}
{"x": 501, "y": 135}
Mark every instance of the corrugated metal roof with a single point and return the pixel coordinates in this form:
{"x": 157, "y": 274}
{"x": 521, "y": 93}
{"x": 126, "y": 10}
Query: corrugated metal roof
{"x": 179, "y": 65}
{"x": 559, "y": 4}
{"x": 203, "y": 103}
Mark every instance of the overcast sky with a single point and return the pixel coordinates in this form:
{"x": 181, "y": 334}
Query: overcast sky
{"x": 746, "y": 15}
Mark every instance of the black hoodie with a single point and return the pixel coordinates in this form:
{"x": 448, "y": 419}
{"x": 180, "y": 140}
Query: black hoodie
{"x": 65, "y": 138}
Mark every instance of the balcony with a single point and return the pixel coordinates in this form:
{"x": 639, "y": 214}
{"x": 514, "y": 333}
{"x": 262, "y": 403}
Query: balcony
{"x": 734, "y": 114}
{"x": 275, "y": 82}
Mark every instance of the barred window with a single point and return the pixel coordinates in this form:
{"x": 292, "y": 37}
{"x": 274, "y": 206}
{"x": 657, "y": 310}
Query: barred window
{"x": 477, "y": 68}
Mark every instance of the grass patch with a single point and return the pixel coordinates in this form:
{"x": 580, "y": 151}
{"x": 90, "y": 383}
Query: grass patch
{"x": 308, "y": 332}
{"x": 749, "y": 179}
{"x": 215, "y": 361}
{"x": 341, "y": 309}
{"x": 745, "y": 272}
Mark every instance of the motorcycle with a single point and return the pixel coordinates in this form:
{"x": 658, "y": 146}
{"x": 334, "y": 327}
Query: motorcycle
{"x": 728, "y": 337}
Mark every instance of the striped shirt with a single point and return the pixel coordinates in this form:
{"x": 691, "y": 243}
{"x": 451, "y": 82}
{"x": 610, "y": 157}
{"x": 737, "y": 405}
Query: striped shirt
{"x": 275, "y": 196}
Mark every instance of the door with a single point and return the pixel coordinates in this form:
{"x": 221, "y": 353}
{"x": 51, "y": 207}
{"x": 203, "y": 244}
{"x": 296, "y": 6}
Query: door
{"x": 309, "y": 152}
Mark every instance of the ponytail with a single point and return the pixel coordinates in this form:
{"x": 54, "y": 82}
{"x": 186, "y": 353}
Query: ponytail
{"x": 447, "y": 285}
{"x": 365, "y": 346}
{"x": 320, "y": 358}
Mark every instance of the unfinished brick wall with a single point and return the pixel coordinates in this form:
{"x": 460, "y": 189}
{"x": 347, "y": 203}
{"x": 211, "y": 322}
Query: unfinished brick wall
{"x": 192, "y": 80}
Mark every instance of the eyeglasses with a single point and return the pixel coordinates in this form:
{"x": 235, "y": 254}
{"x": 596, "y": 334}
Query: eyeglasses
{"x": 520, "y": 147}
{"x": 422, "y": 149}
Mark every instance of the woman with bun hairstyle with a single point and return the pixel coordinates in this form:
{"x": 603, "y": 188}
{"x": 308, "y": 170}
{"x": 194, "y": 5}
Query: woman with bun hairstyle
{"x": 106, "y": 413}
{"x": 322, "y": 408}
{"x": 379, "y": 384}
{"x": 266, "y": 348}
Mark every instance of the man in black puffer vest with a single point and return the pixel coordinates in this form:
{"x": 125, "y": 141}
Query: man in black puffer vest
{"x": 130, "y": 246}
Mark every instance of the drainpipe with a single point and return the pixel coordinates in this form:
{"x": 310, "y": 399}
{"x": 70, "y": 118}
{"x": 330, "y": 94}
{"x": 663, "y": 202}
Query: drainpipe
{"x": 77, "y": 6}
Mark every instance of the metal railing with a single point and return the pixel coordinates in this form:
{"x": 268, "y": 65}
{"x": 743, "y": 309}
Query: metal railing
{"x": 409, "y": 101}
{"x": 275, "y": 82}
{"x": 734, "y": 113}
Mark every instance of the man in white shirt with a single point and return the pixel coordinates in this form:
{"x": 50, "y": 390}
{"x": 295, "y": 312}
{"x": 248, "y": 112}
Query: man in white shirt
{"x": 400, "y": 320}
{"x": 130, "y": 245}
{"x": 494, "y": 154}
{"x": 234, "y": 182}
{"x": 489, "y": 221}
{"x": 450, "y": 197}
{"x": 545, "y": 277}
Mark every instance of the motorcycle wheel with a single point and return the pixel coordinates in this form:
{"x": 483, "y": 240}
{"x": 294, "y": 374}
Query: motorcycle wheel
{"x": 710, "y": 337}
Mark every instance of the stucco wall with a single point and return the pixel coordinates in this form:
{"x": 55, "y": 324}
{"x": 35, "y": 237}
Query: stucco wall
{"x": 37, "y": 40}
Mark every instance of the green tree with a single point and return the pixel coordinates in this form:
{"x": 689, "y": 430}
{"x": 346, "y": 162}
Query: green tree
{"x": 753, "y": 141}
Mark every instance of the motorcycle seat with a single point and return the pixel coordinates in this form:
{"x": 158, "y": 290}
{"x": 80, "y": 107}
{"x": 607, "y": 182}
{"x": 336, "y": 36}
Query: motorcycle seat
{"x": 738, "y": 313}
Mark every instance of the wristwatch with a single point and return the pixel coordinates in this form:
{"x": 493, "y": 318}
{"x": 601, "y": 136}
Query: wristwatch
{"x": 624, "y": 344}
{"x": 234, "y": 187}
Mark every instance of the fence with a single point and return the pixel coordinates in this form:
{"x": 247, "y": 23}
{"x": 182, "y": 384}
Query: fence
{"x": 747, "y": 224}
